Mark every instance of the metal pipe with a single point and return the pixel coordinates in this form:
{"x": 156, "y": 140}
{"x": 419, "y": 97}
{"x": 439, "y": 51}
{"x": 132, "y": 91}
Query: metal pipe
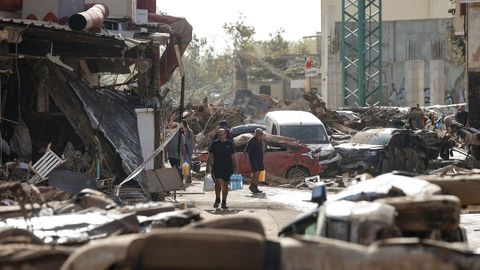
{"x": 93, "y": 18}
{"x": 11, "y": 5}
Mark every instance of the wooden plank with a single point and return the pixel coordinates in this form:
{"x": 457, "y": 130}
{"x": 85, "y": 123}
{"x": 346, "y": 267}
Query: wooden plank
{"x": 465, "y": 187}
{"x": 438, "y": 212}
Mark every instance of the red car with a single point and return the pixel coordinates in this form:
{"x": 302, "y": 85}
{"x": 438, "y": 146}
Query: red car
{"x": 284, "y": 157}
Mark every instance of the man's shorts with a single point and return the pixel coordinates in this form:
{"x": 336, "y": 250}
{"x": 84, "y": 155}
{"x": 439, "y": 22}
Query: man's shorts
{"x": 223, "y": 174}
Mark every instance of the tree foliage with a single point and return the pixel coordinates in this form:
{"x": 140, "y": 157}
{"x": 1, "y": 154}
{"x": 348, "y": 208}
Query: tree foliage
{"x": 276, "y": 46}
{"x": 240, "y": 34}
{"x": 209, "y": 71}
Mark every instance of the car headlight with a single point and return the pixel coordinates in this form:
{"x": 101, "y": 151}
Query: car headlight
{"x": 371, "y": 153}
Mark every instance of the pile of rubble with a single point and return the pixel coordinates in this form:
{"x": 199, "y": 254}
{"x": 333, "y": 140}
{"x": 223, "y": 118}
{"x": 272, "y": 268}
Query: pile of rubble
{"x": 379, "y": 116}
{"x": 204, "y": 120}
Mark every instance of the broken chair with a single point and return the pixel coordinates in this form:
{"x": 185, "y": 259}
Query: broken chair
{"x": 46, "y": 164}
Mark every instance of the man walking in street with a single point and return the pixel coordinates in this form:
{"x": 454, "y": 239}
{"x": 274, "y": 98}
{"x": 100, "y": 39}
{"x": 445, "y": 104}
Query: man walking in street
{"x": 222, "y": 164}
{"x": 254, "y": 150}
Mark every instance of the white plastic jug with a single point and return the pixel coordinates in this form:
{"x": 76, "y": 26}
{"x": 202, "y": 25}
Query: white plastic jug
{"x": 208, "y": 184}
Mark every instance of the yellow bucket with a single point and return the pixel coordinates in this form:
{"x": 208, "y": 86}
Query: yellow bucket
{"x": 185, "y": 169}
{"x": 261, "y": 176}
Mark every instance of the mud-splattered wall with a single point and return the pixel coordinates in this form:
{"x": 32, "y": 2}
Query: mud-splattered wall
{"x": 417, "y": 40}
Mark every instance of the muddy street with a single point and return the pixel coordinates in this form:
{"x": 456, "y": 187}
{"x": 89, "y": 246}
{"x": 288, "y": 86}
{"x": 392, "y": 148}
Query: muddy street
{"x": 345, "y": 133}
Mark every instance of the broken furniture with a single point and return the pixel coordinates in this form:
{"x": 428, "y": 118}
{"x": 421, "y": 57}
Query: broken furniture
{"x": 42, "y": 168}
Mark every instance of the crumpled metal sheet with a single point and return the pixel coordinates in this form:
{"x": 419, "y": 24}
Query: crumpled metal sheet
{"x": 387, "y": 185}
{"x": 115, "y": 117}
{"x": 76, "y": 228}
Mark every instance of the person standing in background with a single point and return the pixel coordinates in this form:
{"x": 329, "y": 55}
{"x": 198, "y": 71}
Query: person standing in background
{"x": 254, "y": 150}
{"x": 176, "y": 148}
{"x": 190, "y": 148}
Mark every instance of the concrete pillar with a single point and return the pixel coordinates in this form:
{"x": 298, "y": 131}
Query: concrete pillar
{"x": 146, "y": 132}
{"x": 438, "y": 80}
{"x": 337, "y": 85}
{"x": 414, "y": 82}
{"x": 330, "y": 54}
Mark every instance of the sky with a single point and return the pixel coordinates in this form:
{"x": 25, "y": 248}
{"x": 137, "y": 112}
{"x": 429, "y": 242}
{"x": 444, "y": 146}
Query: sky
{"x": 298, "y": 18}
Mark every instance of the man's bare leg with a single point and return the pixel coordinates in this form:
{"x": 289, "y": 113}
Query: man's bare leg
{"x": 256, "y": 175}
{"x": 224, "y": 193}
{"x": 254, "y": 186}
{"x": 218, "y": 189}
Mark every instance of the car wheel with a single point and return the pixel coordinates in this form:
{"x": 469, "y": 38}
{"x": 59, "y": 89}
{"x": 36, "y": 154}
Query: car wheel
{"x": 297, "y": 173}
{"x": 385, "y": 166}
{"x": 411, "y": 160}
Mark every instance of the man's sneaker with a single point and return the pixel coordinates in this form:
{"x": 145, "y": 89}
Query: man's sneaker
{"x": 217, "y": 203}
{"x": 254, "y": 189}
{"x": 257, "y": 191}
{"x": 224, "y": 205}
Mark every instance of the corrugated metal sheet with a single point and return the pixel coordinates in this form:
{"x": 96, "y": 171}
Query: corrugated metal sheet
{"x": 115, "y": 117}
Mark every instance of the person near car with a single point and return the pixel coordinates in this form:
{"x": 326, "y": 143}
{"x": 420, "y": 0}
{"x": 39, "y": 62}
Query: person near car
{"x": 416, "y": 118}
{"x": 189, "y": 147}
{"x": 176, "y": 148}
{"x": 222, "y": 164}
{"x": 462, "y": 115}
{"x": 431, "y": 121}
{"x": 254, "y": 150}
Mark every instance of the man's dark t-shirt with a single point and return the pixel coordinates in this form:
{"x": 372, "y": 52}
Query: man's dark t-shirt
{"x": 254, "y": 150}
{"x": 222, "y": 158}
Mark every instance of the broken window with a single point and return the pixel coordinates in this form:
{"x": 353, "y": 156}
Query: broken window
{"x": 265, "y": 90}
{"x": 310, "y": 134}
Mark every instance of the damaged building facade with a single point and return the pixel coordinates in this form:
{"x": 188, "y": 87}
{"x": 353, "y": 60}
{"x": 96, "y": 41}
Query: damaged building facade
{"x": 87, "y": 87}
{"x": 420, "y": 54}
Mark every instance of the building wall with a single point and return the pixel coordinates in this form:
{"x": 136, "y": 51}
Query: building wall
{"x": 397, "y": 10}
{"x": 403, "y": 41}
{"x": 276, "y": 88}
{"x": 412, "y": 30}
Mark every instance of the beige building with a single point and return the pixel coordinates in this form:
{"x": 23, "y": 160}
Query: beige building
{"x": 274, "y": 88}
{"x": 402, "y": 11}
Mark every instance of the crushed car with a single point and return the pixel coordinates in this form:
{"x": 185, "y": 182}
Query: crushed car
{"x": 284, "y": 157}
{"x": 381, "y": 150}
{"x": 247, "y": 128}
